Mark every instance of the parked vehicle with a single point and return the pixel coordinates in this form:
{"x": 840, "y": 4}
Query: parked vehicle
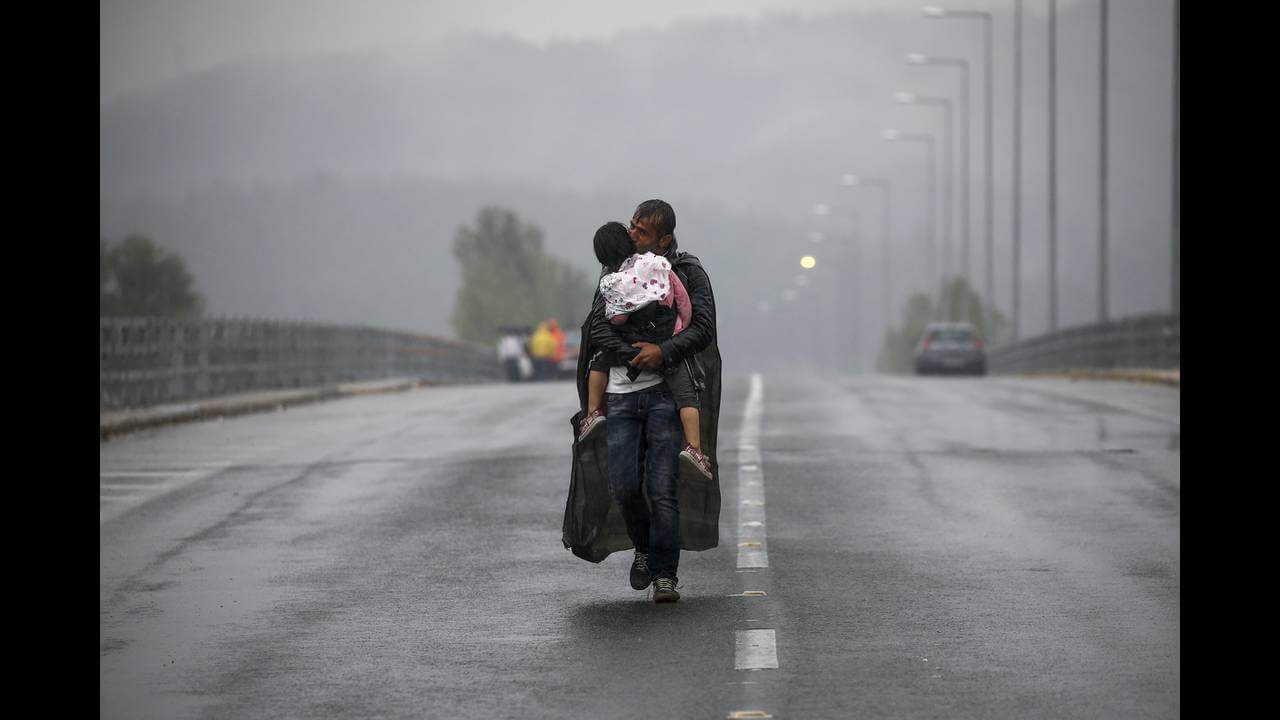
{"x": 950, "y": 347}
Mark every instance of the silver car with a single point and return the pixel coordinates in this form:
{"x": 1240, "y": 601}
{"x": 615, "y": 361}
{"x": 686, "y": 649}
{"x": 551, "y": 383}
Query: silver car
{"x": 950, "y": 347}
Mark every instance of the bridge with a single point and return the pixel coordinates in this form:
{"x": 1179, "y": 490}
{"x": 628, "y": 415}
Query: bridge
{"x": 1004, "y": 546}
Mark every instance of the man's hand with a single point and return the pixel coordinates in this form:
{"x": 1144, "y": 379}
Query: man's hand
{"x": 649, "y": 357}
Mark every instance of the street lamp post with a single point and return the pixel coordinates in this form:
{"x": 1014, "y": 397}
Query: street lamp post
{"x": 1102, "y": 166}
{"x": 853, "y": 254}
{"x": 1175, "y": 220}
{"x": 887, "y": 227}
{"x": 1017, "y": 165}
{"x": 919, "y": 59}
{"x": 1053, "y": 163}
{"x": 944, "y": 103}
{"x": 985, "y": 17}
{"x": 931, "y": 245}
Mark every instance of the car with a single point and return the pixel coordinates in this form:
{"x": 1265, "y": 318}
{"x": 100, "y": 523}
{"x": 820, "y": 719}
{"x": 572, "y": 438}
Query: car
{"x": 950, "y": 347}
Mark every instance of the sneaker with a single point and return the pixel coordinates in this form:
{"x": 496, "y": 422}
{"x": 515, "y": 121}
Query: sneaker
{"x": 693, "y": 458}
{"x": 640, "y": 577}
{"x": 664, "y": 590}
{"x": 590, "y": 423}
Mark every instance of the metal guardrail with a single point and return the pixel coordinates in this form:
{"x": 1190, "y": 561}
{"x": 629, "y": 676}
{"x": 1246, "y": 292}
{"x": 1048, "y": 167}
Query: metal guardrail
{"x": 147, "y": 361}
{"x": 1144, "y": 341}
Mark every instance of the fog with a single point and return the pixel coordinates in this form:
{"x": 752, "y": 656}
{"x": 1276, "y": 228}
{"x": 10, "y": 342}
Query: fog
{"x": 320, "y": 180}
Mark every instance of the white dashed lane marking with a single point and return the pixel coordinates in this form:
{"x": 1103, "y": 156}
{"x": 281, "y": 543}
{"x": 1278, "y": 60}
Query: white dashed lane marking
{"x": 755, "y": 650}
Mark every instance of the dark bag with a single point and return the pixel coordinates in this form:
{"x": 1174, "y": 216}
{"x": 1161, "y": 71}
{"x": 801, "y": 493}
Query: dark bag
{"x": 593, "y": 526}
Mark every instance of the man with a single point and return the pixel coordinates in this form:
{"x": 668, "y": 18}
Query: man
{"x": 643, "y": 428}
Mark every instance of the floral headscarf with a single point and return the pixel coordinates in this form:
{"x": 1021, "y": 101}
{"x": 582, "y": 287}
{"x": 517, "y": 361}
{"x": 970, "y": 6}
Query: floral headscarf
{"x": 641, "y": 279}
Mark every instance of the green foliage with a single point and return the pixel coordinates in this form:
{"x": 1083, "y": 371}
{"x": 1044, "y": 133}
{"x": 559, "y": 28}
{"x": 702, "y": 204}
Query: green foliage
{"x": 895, "y": 353}
{"x": 137, "y": 278}
{"x": 965, "y": 305}
{"x": 508, "y": 280}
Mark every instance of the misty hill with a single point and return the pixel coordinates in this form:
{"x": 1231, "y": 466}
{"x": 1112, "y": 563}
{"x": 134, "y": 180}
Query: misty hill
{"x": 328, "y": 187}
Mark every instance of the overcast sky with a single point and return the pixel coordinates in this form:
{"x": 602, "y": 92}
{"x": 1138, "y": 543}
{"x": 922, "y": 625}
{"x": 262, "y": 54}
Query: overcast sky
{"x": 144, "y": 43}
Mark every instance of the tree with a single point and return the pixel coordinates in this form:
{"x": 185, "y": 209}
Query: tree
{"x": 508, "y": 280}
{"x": 896, "y": 354}
{"x": 137, "y": 278}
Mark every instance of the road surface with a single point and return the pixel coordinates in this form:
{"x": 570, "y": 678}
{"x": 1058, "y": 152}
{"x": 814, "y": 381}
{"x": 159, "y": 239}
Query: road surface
{"x": 909, "y": 547}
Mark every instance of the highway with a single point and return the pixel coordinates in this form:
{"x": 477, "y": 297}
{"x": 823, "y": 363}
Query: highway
{"x": 941, "y": 547}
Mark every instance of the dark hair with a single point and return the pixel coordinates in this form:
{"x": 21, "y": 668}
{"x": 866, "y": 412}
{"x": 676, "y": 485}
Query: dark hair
{"x": 613, "y": 245}
{"x": 664, "y": 218}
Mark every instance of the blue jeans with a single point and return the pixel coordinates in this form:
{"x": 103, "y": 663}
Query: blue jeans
{"x": 644, "y": 433}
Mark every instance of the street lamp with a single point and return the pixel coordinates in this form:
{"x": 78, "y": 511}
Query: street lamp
{"x": 882, "y": 183}
{"x": 939, "y": 13}
{"x": 906, "y": 98}
{"x": 920, "y": 59}
{"x": 1175, "y": 220}
{"x": 1102, "y": 167}
{"x": 892, "y": 135}
{"x": 1017, "y": 165}
{"x": 1053, "y": 165}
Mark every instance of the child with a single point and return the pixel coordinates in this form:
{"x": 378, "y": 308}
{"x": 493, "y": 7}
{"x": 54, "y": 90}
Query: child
{"x": 645, "y": 301}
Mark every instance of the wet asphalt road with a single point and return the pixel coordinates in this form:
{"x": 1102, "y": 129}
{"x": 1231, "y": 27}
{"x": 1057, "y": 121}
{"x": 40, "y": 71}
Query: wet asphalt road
{"x": 938, "y": 547}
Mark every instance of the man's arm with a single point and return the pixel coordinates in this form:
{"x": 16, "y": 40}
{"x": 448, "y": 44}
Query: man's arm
{"x": 603, "y": 335}
{"x": 702, "y": 328}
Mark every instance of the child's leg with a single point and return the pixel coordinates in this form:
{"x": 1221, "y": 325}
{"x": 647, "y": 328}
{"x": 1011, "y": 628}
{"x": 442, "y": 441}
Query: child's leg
{"x": 681, "y": 386}
{"x": 692, "y": 428}
{"x": 596, "y": 383}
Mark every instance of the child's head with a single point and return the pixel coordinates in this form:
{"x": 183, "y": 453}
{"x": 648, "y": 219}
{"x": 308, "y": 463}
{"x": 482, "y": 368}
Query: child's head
{"x": 613, "y": 245}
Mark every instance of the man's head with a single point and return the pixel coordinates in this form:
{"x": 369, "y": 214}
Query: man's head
{"x": 613, "y": 245}
{"x": 653, "y": 226}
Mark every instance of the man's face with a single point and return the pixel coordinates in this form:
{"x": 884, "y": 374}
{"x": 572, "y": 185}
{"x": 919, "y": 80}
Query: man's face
{"x": 644, "y": 234}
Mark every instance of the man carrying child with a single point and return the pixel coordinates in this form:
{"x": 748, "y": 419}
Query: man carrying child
{"x": 643, "y": 427}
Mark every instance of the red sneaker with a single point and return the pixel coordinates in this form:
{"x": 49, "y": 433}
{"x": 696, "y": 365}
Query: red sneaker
{"x": 593, "y": 420}
{"x": 692, "y": 457}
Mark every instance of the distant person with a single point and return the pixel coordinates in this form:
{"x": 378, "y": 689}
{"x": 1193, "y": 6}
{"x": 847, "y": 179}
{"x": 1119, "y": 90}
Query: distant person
{"x": 643, "y": 444}
{"x": 646, "y": 301}
{"x": 558, "y": 335}
{"x": 510, "y": 353}
{"x": 542, "y": 347}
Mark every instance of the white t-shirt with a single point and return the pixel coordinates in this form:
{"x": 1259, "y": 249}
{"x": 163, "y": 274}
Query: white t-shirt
{"x": 620, "y": 383}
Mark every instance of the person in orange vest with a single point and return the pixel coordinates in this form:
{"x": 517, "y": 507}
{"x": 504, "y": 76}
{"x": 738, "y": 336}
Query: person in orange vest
{"x": 558, "y": 335}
